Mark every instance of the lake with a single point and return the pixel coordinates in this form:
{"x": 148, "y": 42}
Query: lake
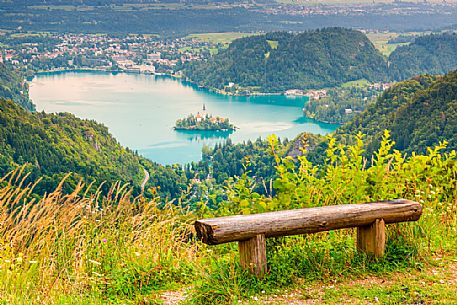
{"x": 141, "y": 110}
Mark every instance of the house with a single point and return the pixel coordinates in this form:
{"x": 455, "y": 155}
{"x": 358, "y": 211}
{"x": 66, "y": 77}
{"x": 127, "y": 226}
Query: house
{"x": 154, "y": 56}
{"x": 316, "y": 94}
{"x": 294, "y": 92}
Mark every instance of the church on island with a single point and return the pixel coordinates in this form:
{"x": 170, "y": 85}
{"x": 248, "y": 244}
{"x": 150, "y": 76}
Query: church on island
{"x": 204, "y": 121}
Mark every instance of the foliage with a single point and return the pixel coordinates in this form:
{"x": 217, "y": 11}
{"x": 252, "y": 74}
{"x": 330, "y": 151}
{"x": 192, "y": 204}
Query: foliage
{"x": 421, "y": 112}
{"x": 432, "y": 54}
{"x": 227, "y": 160}
{"x": 121, "y": 249}
{"x": 344, "y": 178}
{"x": 341, "y": 103}
{"x": 314, "y": 59}
{"x": 13, "y": 87}
{"x": 54, "y": 144}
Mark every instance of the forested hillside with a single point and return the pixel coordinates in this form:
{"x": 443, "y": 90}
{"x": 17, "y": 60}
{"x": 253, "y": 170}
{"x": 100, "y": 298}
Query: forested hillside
{"x": 420, "y": 113}
{"x": 432, "y": 54}
{"x": 13, "y": 86}
{"x": 279, "y": 61}
{"x": 56, "y": 144}
{"x": 227, "y": 160}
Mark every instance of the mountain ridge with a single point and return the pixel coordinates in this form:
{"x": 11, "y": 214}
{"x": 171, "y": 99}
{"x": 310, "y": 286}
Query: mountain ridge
{"x": 279, "y": 61}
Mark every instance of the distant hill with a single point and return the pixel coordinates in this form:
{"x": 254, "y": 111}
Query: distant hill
{"x": 14, "y": 87}
{"x": 419, "y": 112}
{"x": 279, "y": 61}
{"x": 56, "y": 144}
{"x": 432, "y": 54}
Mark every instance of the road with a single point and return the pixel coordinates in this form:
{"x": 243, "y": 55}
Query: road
{"x": 145, "y": 180}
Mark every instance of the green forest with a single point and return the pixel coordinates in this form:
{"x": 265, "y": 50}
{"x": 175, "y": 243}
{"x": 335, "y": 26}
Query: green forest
{"x": 341, "y": 104}
{"x": 420, "y": 112}
{"x": 13, "y": 86}
{"x": 432, "y": 54}
{"x": 275, "y": 62}
{"x": 56, "y": 144}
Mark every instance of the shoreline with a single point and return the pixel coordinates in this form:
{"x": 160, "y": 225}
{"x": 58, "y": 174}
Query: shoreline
{"x": 181, "y": 78}
{"x": 64, "y": 70}
{"x": 197, "y": 129}
{"x": 223, "y": 92}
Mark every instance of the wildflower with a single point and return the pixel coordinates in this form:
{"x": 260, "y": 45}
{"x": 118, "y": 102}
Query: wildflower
{"x": 137, "y": 253}
{"x": 33, "y": 262}
{"x": 104, "y": 240}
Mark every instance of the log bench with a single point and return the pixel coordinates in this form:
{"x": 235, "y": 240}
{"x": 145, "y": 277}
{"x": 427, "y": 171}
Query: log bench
{"x": 250, "y": 231}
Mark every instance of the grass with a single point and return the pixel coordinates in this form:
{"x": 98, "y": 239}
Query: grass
{"x": 29, "y": 34}
{"x": 273, "y": 44}
{"x": 433, "y": 285}
{"x": 380, "y": 41}
{"x": 223, "y": 38}
{"x": 356, "y": 83}
{"x": 113, "y": 248}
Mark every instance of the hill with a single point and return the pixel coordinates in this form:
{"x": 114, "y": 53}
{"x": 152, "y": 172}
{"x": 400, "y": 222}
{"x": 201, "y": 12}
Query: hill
{"x": 54, "y": 144}
{"x": 420, "y": 113}
{"x": 13, "y": 86}
{"x": 279, "y": 61}
{"x": 432, "y": 54}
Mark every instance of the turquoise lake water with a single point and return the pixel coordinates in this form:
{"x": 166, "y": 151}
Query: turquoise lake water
{"x": 141, "y": 110}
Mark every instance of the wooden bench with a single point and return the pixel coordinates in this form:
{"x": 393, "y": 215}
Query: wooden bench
{"x": 250, "y": 231}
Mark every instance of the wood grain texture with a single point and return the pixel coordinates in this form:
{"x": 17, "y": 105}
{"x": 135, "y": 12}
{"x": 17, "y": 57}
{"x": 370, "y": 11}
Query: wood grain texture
{"x": 253, "y": 255}
{"x": 371, "y": 239}
{"x": 302, "y": 221}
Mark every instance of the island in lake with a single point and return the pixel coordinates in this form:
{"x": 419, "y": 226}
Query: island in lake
{"x": 204, "y": 121}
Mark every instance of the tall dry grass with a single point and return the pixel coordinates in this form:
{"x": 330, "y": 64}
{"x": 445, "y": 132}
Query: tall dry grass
{"x": 113, "y": 245}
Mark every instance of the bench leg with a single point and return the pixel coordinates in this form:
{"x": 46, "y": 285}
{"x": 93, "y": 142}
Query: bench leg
{"x": 253, "y": 255}
{"x": 371, "y": 239}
